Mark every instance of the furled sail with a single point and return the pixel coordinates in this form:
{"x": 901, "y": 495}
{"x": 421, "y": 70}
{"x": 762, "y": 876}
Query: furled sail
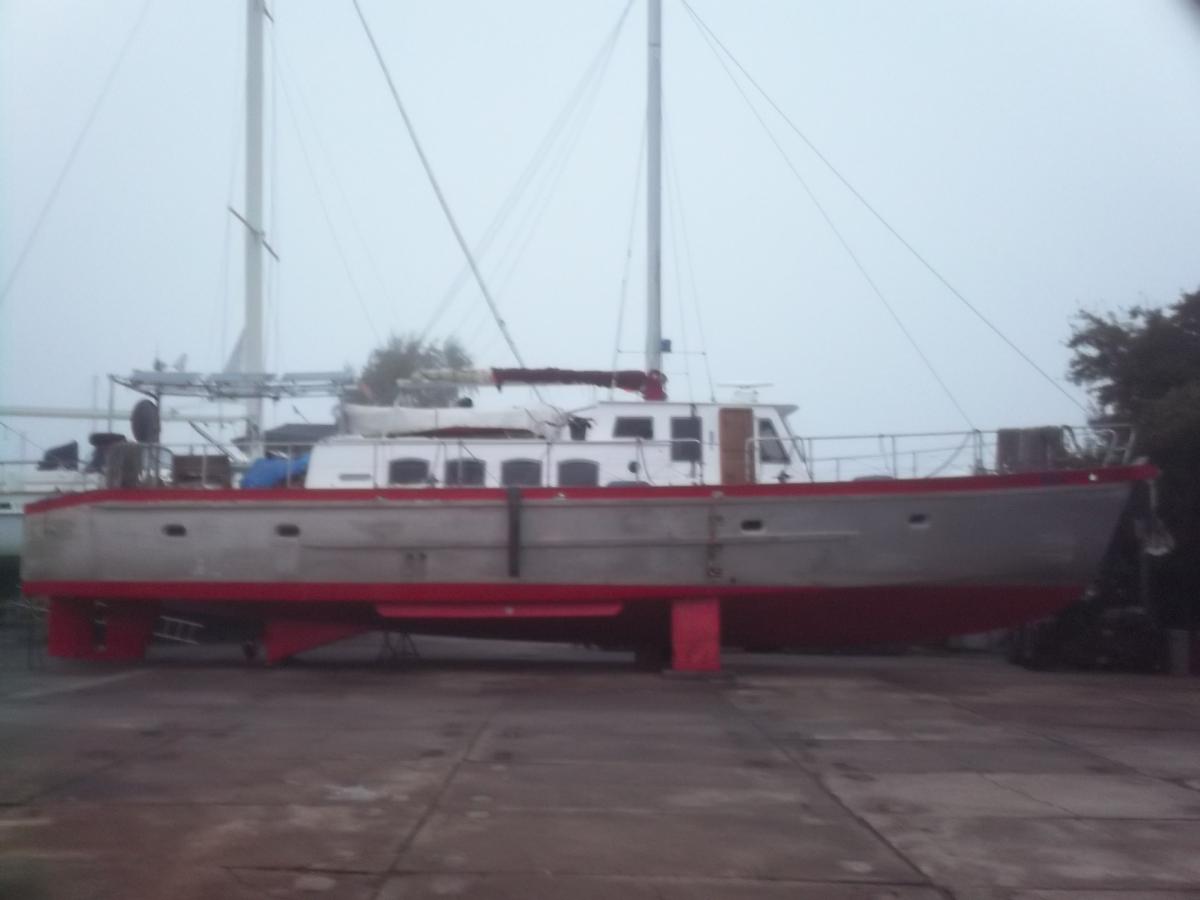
{"x": 376, "y": 421}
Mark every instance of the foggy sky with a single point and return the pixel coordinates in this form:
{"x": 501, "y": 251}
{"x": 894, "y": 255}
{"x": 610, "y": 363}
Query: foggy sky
{"x": 1041, "y": 155}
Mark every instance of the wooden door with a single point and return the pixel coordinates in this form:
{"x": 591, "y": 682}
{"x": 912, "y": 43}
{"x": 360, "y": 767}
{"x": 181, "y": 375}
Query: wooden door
{"x": 737, "y": 456}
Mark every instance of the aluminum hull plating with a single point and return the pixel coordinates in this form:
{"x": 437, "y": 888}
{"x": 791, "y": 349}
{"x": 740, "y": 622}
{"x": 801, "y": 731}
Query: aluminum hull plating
{"x": 816, "y": 563}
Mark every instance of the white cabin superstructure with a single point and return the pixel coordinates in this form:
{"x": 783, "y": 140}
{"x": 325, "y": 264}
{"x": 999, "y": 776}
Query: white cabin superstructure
{"x": 609, "y": 444}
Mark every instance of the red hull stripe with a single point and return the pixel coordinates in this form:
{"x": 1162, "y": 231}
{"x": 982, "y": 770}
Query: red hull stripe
{"x": 1078, "y": 477}
{"x": 496, "y": 610}
{"x": 473, "y": 594}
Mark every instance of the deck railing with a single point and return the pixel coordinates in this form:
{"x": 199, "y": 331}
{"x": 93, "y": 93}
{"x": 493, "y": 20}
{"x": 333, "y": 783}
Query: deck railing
{"x": 826, "y": 458}
{"x": 942, "y": 453}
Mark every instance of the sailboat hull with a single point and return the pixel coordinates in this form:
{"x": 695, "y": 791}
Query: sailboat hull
{"x": 813, "y": 564}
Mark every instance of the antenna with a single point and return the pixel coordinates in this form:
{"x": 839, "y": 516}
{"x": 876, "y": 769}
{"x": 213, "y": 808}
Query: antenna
{"x": 745, "y": 391}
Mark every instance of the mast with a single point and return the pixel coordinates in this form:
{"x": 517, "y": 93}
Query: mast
{"x": 654, "y": 188}
{"x": 252, "y": 336}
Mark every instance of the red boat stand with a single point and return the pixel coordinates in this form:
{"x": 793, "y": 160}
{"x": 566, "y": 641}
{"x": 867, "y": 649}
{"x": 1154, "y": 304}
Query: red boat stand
{"x": 77, "y": 630}
{"x": 696, "y": 635}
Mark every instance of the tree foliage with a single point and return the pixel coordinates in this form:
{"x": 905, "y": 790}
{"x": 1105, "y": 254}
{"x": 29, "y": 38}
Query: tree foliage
{"x": 1143, "y": 367}
{"x": 403, "y": 356}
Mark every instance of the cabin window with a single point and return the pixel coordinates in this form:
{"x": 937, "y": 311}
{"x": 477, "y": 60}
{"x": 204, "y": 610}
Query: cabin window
{"x": 408, "y": 471}
{"x": 578, "y": 473}
{"x": 685, "y": 439}
{"x": 521, "y": 473}
{"x": 634, "y": 427}
{"x": 770, "y": 447}
{"x": 464, "y": 472}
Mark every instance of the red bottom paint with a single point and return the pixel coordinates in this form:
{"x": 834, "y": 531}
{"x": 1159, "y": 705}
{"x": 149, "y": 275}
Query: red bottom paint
{"x": 694, "y": 621}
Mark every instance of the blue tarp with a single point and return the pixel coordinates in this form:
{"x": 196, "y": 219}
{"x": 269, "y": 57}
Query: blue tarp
{"x": 271, "y": 472}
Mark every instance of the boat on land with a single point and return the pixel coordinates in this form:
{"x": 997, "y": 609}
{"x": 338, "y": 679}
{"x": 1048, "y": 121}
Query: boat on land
{"x": 667, "y": 526}
{"x": 24, "y": 481}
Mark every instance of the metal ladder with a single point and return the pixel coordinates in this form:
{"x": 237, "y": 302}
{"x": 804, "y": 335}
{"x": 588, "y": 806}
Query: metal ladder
{"x": 178, "y": 631}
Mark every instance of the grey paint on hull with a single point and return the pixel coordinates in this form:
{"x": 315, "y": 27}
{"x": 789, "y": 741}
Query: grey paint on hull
{"x": 1050, "y": 535}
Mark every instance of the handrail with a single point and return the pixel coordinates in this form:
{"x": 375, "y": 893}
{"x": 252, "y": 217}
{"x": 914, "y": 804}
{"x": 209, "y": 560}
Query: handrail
{"x": 901, "y": 455}
{"x": 898, "y": 455}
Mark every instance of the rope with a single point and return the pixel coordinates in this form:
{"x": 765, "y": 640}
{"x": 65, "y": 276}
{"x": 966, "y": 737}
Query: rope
{"x": 673, "y": 181}
{"x": 274, "y": 270}
{"x": 437, "y": 190}
{"x": 510, "y": 259}
{"x": 708, "y": 32}
{"x": 294, "y": 77}
{"x": 637, "y": 190}
{"x": 841, "y": 238}
{"x": 673, "y": 218}
{"x": 531, "y": 169}
{"x": 234, "y": 156}
{"x": 23, "y": 436}
{"x": 44, "y": 212}
{"x": 337, "y": 243}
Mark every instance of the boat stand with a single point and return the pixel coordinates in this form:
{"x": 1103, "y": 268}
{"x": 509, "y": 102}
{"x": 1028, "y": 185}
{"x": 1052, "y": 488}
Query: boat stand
{"x": 396, "y": 646}
{"x": 83, "y": 629}
{"x": 696, "y": 635}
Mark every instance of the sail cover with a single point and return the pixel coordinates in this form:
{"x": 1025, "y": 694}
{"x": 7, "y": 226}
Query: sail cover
{"x": 649, "y": 384}
{"x": 377, "y": 421}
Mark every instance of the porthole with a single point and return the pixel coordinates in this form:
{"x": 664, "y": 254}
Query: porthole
{"x": 918, "y": 520}
{"x": 174, "y": 530}
{"x": 286, "y": 529}
{"x": 752, "y": 525}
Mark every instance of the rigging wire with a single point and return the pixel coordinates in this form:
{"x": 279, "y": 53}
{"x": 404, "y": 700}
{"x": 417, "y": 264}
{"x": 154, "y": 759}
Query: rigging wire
{"x": 441, "y": 198}
{"x": 295, "y": 79}
{"x": 525, "y": 230}
{"x": 673, "y": 183}
{"x": 274, "y": 269}
{"x": 628, "y": 265}
{"x": 680, "y": 287}
{"x": 510, "y": 259}
{"x": 534, "y": 214}
{"x": 337, "y": 243}
{"x": 705, "y": 29}
{"x": 531, "y": 169}
{"x": 23, "y": 437}
{"x": 840, "y": 237}
{"x": 109, "y": 79}
{"x": 234, "y": 162}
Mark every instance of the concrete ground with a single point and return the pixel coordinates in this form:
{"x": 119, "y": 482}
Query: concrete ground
{"x": 514, "y": 771}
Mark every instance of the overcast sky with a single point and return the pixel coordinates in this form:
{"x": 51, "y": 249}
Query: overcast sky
{"x": 1041, "y": 155}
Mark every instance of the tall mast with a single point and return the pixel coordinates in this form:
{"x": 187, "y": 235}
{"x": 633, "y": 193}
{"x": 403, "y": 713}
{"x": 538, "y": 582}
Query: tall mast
{"x": 252, "y": 336}
{"x": 654, "y": 188}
